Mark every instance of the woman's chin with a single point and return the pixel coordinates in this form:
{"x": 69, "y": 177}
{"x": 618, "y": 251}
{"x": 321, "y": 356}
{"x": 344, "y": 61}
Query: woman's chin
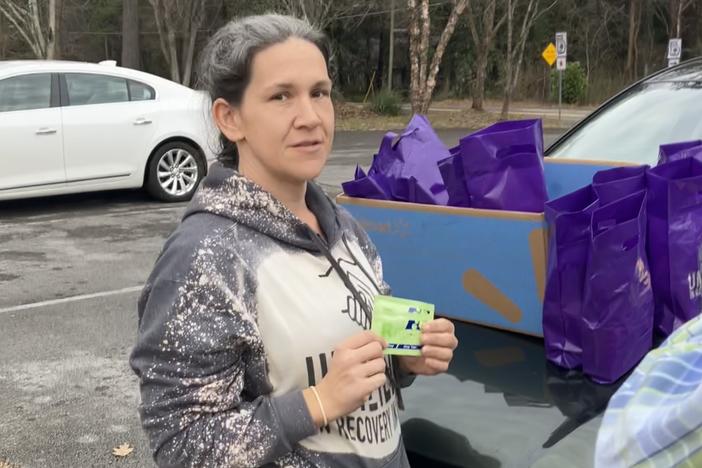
{"x": 307, "y": 169}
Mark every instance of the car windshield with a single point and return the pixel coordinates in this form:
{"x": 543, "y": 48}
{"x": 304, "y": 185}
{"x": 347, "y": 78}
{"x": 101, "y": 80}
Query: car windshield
{"x": 632, "y": 128}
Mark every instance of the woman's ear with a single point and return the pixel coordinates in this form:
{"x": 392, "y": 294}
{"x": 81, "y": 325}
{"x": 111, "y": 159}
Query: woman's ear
{"x": 228, "y": 120}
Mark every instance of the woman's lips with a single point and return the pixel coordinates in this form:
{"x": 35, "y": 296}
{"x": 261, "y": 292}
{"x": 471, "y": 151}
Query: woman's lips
{"x": 308, "y": 146}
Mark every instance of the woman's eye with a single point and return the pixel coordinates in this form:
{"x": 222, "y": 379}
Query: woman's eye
{"x": 280, "y": 97}
{"x": 321, "y": 93}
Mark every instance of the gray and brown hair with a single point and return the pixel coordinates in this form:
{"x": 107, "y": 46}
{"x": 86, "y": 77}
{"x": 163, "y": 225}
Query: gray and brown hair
{"x": 225, "y": 64}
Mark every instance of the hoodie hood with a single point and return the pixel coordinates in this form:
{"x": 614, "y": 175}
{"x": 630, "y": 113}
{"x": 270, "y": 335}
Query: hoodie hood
{"x": 225, "y": 192}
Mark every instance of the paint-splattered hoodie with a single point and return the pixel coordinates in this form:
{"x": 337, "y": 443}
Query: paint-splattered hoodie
{"x": 240, "y": 314}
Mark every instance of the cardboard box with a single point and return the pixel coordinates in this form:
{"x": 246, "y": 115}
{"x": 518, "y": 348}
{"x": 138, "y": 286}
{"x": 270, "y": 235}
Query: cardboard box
{"x": 481, "y": 266}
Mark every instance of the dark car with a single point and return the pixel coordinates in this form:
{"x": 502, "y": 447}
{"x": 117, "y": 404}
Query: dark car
{"x": 665, "y": 107}
{"x": 501, "y": 404}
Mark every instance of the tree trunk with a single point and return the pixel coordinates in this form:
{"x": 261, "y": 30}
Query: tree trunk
{"x": 40, "y": 41}
{"x": 678, "y": 14}
{"x": 3, "y": 37}
{"x": 635, "y": 8}
{"x": 173, "y": 55}
{"x": 479, "y": 82}
{"x": 483, "y": 44}
{"x": 526, "y": 27}
{"x": 423, "y": 74}
{"x": 130, "y": 34}
{"x": 508, "y": 63}
{"x": 415, "y": 95}
{"x": 439, "y": 53}
{"x": 423, "y": 47}
{"x": 170, "y": 8}
{"x": 194, "y": 20}
{"x": 53, "y": 40}
{"x": 677, "y": 9}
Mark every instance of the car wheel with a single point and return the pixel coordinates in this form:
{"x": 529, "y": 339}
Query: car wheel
{"x": 174, "y": 172}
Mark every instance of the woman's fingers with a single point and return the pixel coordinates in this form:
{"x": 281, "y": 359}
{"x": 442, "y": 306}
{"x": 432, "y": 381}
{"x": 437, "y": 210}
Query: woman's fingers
{"x": 438, "y": 353}
{"x": 436, "y": 365}
{"x": 442, "y": 340}
{"x": 360, "y": 340}
{"x": 371, "y": 351}
{"x": 440, "y": 325}
{"x": 373, "y": 367}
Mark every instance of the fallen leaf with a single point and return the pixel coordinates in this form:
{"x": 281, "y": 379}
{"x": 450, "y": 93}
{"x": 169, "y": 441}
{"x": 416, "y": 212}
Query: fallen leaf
{"x": 122, "y": 451}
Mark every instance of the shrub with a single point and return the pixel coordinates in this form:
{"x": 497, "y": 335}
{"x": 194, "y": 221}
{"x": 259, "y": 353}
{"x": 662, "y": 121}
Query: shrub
{"x": 386, "y": 103}
{"x": 574, "y": 84}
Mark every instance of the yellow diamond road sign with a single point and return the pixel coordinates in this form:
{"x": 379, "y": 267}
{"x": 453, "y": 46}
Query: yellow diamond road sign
{"x": 550, "y": 54}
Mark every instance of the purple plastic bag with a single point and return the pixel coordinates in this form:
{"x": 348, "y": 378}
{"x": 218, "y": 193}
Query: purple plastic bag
{"x": 568, "y": 219}
{"x": 405, "y": 167}
{"x": 451, "y": 170}
{"x": 364, "y": 186}
{"x": 675, "y": 239}
{"x": 618, "y": 311}
{"x": 503, "y": 166}
{"x": 681, "y": 150}
{"x": 618, "y": 182}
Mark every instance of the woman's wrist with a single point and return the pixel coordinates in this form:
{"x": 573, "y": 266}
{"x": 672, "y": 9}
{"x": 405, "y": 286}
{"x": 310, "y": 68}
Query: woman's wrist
{"x": 315, "y": 406}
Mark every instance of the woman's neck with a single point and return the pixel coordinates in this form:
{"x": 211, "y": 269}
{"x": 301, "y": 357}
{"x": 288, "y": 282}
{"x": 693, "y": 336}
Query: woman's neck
{"x": 290, "y": 193}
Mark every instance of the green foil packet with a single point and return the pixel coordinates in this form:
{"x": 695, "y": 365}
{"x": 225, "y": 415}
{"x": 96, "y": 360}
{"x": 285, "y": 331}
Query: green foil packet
{"x": 399, "y": 322}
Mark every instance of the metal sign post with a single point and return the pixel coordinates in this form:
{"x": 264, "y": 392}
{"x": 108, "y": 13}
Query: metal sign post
{"x": 562, "y": 52}
{"x": 560, "y": 95}
{"x": 674, "y": 51}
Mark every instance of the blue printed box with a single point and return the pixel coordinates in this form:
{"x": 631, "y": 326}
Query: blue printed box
{"x": 481, "y": 266}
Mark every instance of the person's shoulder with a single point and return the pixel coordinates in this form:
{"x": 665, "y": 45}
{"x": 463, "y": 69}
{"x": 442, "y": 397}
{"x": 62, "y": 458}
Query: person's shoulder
{"x": 198, "y": 240}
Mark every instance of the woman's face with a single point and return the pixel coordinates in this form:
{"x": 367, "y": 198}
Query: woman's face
{"x": 285, "y": 123}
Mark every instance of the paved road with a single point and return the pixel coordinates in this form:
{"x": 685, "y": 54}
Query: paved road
{"x": 71, "y": 269}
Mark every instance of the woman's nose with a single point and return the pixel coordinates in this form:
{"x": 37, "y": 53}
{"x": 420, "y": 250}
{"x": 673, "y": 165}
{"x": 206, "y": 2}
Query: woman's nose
{"x": 307, "y": 115}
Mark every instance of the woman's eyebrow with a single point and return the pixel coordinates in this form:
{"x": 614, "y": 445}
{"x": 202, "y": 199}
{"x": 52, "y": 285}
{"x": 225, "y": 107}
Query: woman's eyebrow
{"x": 287, "y": 86}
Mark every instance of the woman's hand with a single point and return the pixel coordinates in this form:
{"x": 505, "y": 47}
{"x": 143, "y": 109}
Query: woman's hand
{"x": 438, "y": 342}
{"x": 356, "y": 370}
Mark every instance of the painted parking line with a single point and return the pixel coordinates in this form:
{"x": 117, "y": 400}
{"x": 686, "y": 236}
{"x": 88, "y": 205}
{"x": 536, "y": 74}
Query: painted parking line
{"x": 66, "y": 300}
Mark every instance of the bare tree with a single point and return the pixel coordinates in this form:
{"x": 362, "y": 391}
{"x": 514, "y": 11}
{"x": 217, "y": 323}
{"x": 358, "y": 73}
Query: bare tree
{"x": 422, "y": 74}
{"x": 178, "y": 22}
{"x": 676, "y": 9}
{"x": 483, "y": 33}
{"x": 130, "y": 34}
{"x": 515, "y": 51}
{"x": 322, "y": 13}
{"x": 4, "y": 38}
{"x": 39, "y": 28}
{"x": 635, "y": 8}
{"x": 670, "y": 13}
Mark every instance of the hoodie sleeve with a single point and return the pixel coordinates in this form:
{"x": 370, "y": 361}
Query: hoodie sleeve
{"x": 205, "y": 396}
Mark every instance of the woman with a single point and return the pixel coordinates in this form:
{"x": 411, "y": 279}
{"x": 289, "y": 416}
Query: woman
{"x": 253, "y": 344}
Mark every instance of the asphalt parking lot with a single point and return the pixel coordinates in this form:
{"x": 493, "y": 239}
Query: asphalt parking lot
{"x": 71, "y": 269}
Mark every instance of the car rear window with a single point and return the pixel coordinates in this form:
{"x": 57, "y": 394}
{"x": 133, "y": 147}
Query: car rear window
{"x": 85, "y": 88}
{"x": 140, "y": 91}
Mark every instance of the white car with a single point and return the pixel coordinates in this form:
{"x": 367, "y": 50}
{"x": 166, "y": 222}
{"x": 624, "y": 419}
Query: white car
{"x": 68, "y": 127}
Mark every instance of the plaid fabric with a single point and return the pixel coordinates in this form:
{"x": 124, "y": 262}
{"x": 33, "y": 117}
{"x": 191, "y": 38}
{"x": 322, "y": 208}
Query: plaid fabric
{"x": 655, "y": 418}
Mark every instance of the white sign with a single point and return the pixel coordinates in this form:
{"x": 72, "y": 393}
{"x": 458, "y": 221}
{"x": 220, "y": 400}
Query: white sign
{"x": 562, "y": 44}
{"x": 675, "y": 49}
{"x": 673, "y": 62}
{"x": 561, "y": 63}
